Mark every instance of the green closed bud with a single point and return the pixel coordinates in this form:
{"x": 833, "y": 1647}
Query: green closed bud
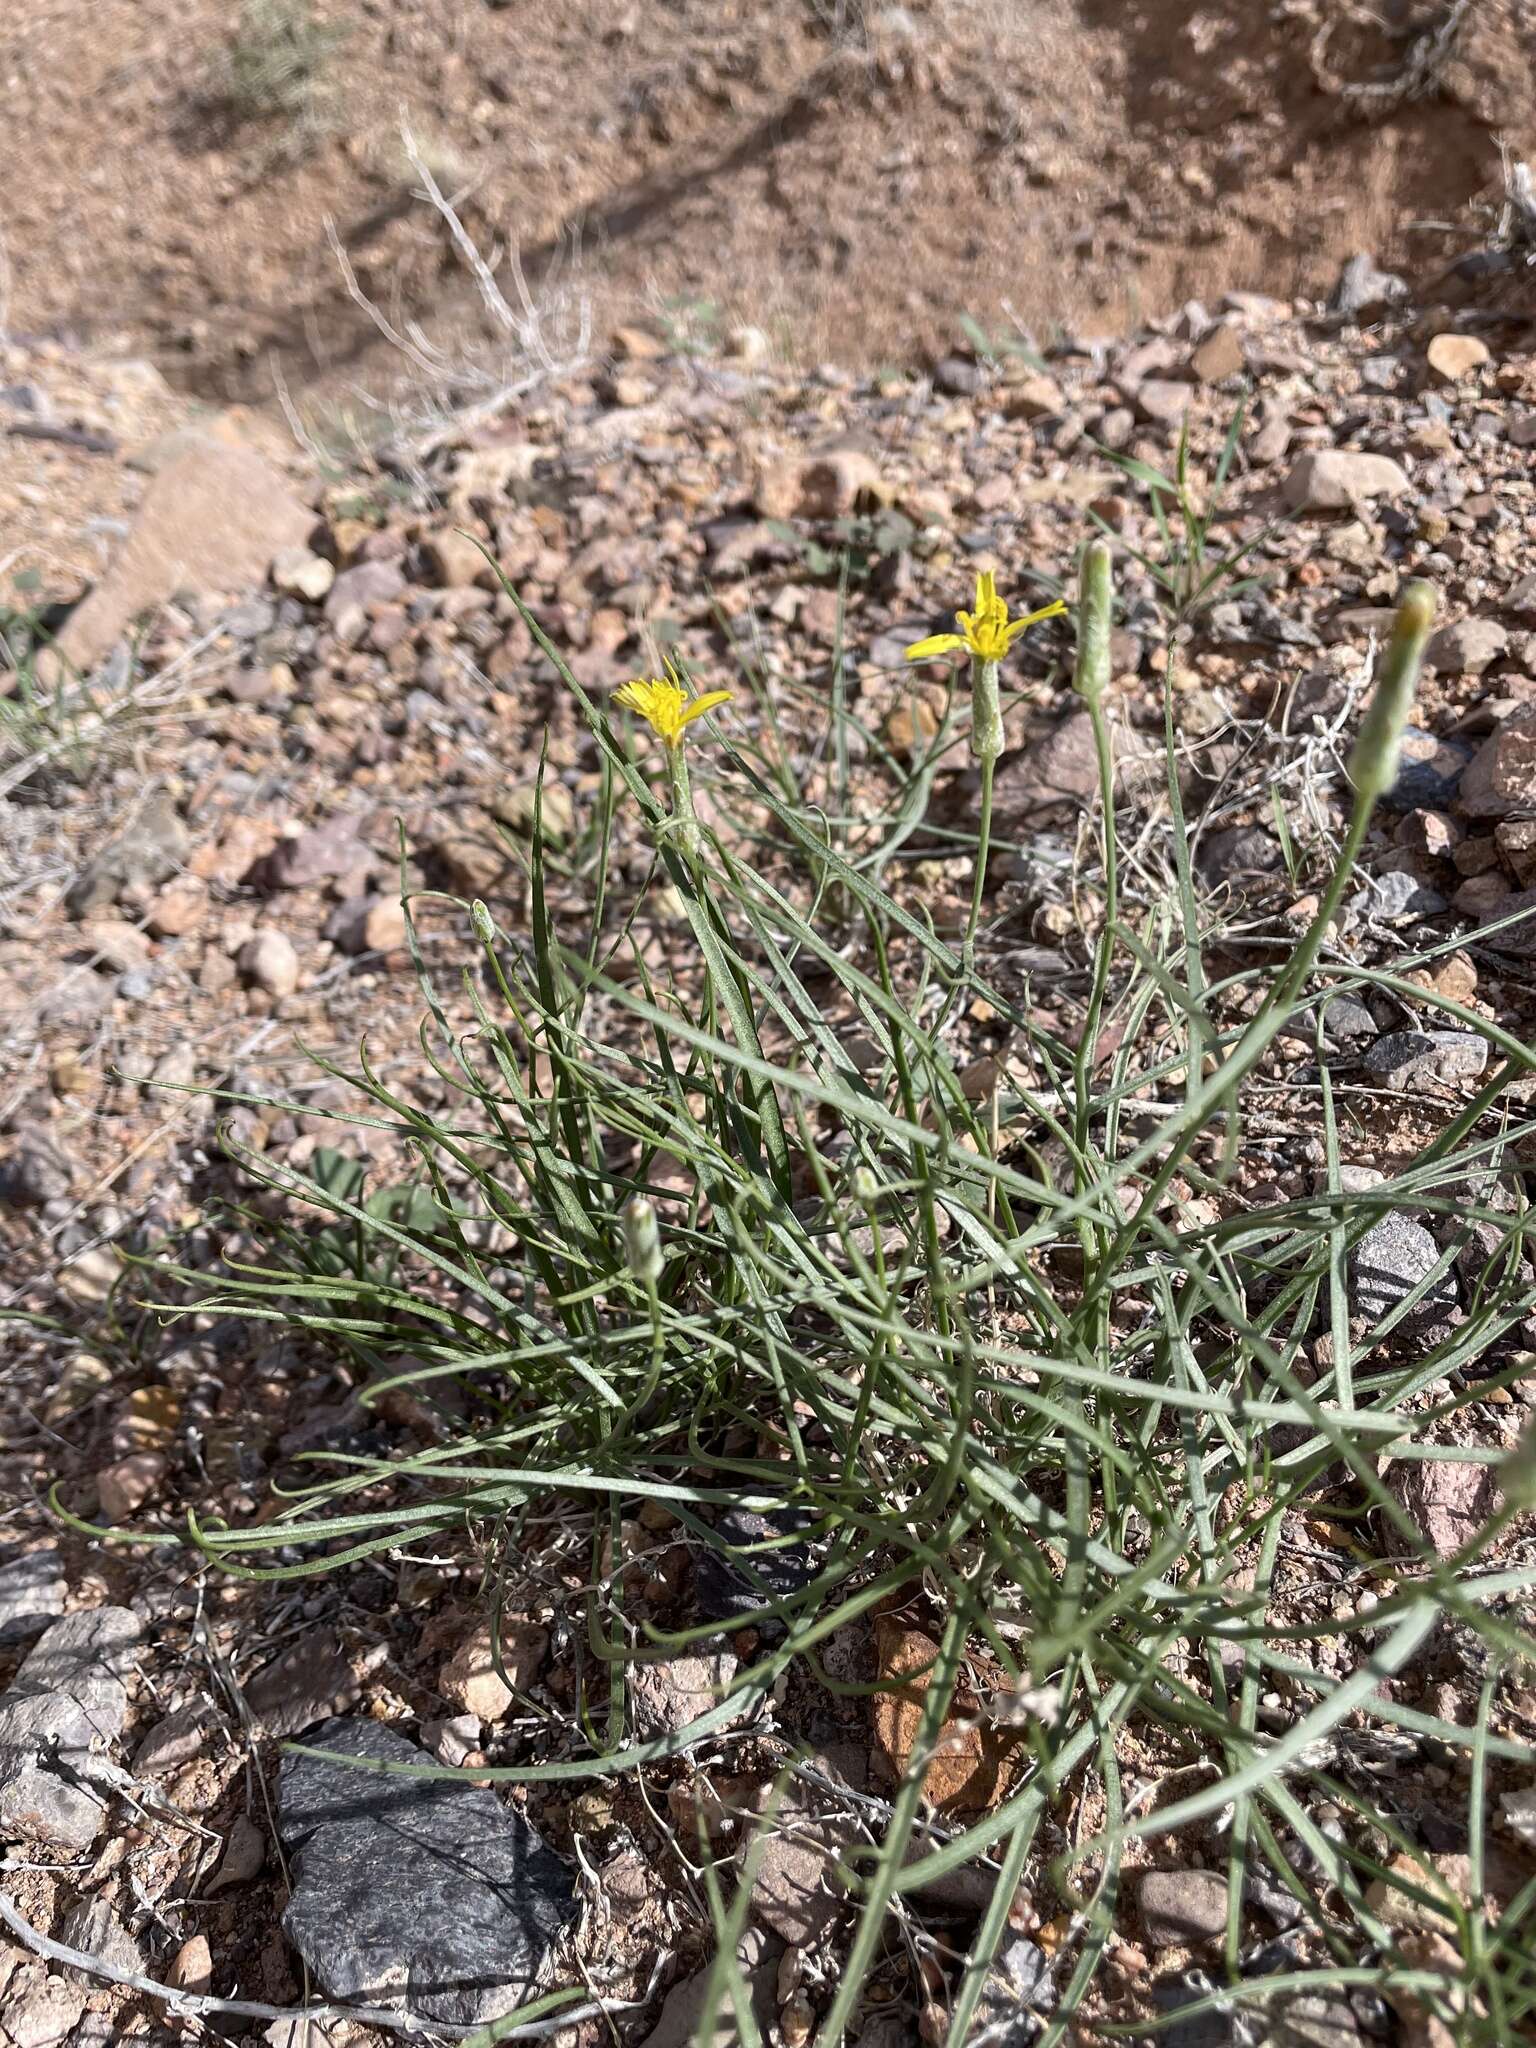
{"x": 1373, "y": 764}
{"x": 642, "y": 1239}
{"x": 866, "y": 1187}
{"x": 1095, "y": 617}
{"x": 986, "y": 710}
{"x": 484, "y": 924}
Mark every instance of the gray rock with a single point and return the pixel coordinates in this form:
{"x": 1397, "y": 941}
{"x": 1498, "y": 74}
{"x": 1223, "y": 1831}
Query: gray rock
{"x": 736, "y": 1582}
{"x": 249, "y": 619}
{"x": 1364, "y": 288}
{"x": 245, "y": 1854}
{"x": 1400, "y": 894}
{"x": 309, "y": 1682}
{"x": 45, "y": 1762}
{"x": 664, "y": 1698}
{"x": 1338, "y": 479}
{"x": 268, "y": 960}
{"x": 1500, "y": 780}
{"x": 677, "y": 2024}
{"x": 1387, "y": 1265}
{"x": 1467, "y": 646}
{"x": 327, "y": 849}
{"x": 1403, "y": 1059}
{"x": 368, "y": 584}
{"x": 798, "y": 1887}
{"x": 417, "y": 1891}
{"x": 92, "y": 1926}
{"x": 1162, "y": 401}
{"x": 1243, "y": 853}
{"x": 1182, "y": 1907}
{"x": 1310, "y": 2020}
{"x": 154, "y": 846}
{"x": 1204, "y": 2029}
{"x": 1017, "y": 1984}
{"x": 36, "y": 1170}
{"x": 181, "y": 1736}
{"x": 1346, "y": 1020}
{"x": 1484, "y": 1257}
{"x": 85, "y": 1657}
{"x": 33, "y": 1590}
{"x": 958, "y": 376}
{"x": 1253, "y": 620}
{"x": 1430, "y": 772}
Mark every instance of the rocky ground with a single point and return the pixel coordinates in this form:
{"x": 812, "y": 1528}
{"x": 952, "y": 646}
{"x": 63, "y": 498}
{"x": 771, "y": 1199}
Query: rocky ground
{"x": 290, "y": 680}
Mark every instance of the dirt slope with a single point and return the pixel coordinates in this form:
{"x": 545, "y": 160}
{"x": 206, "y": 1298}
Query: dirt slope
{"x": 853, "y": 178}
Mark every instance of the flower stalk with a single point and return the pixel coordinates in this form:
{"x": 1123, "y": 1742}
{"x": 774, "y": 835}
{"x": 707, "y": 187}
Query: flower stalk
{"x": 986, "y": 634}
{"x": 1373, "y": 764}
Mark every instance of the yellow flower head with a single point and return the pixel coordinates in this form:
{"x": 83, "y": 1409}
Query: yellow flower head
{"x": 988, "y": 632}
{"x": 665, "y": 705}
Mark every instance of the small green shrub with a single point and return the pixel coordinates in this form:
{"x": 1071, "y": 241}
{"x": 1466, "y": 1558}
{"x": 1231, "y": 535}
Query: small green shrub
{"x": 277, "y": 68}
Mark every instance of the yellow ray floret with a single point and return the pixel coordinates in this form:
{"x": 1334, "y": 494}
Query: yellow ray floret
{"x": 987, "y": 632}
{"x": 665, "y": 705}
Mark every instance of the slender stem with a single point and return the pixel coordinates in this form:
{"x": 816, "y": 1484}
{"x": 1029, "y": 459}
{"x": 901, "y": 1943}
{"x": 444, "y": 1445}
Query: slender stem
{"x": 979, "y": 882}
{"x": 1104, "y": 951}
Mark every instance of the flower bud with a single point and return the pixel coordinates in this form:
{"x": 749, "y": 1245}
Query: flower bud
{"x": 1095, "y": 618}
{"x": 866, "y": 1187}
{"x": 1373, "y": 764}
{"x": 484, "y": 924}
{"x": 642, "y": 1239}
{"x": 986, "y": 710}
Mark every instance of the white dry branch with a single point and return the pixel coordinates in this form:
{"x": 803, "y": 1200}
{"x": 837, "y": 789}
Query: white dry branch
{"x": 530, "y": 343}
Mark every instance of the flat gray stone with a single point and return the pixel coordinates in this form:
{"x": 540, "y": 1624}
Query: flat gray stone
{"x": 1310, "y": 2020}
{"x": 91, "y": 1926}
{"x": 309, "y": 1682}
{"x": 678, "y": 2023}
{"x": 1338, "y": 479}
{"x": 412, "y": 1891}
{"x": 45, "y": 1761}
{"x": 33, "y": 1590}
{"x": 84, "y": 1657}
{"x": 1388, "y": 1263}
{"x": 67, "y": 1701}
{"x": 1399, "y": 894}
{"x": 736, "y": 1582}
{"x": 181, "y": 1736}
{"x": 154, "y": 845}
{"x": 1404, "y": 1059}
{"x": 1016, "y": 1987}
{"x": 798, "y": 1888}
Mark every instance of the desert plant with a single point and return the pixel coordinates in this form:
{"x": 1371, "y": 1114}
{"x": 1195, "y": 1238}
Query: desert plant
{"x": 1022, "y": 1361}
{"x": 277, "y": 67}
